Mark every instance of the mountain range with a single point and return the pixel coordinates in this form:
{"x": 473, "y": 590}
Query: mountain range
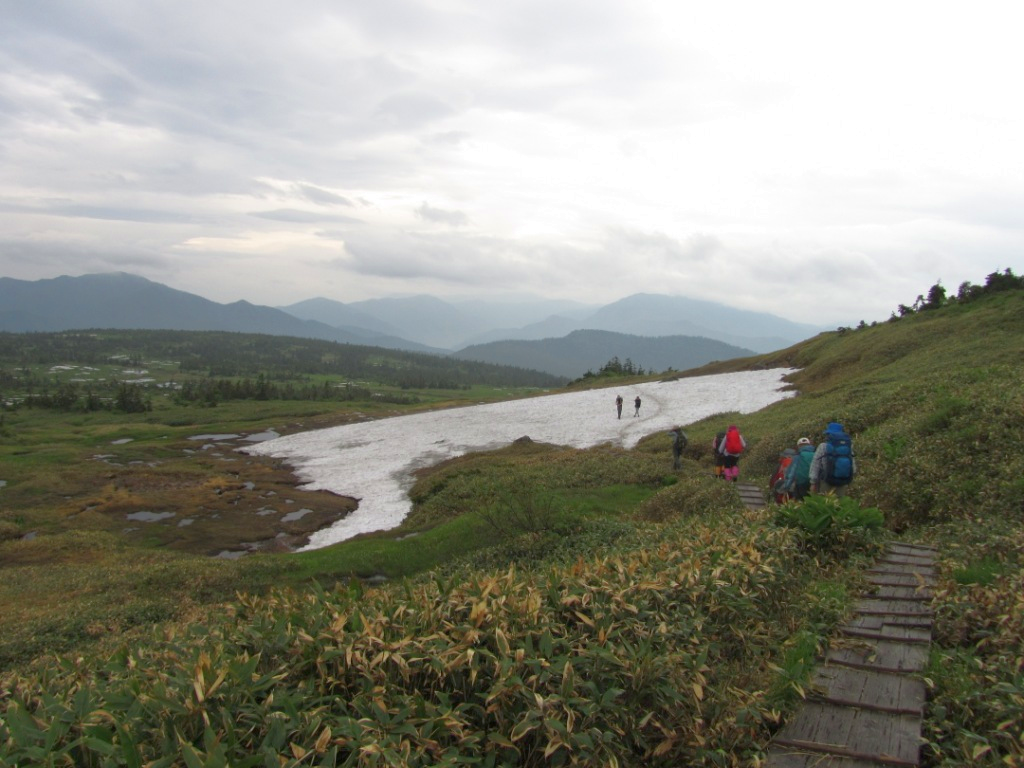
{"x": 561, "y": 337}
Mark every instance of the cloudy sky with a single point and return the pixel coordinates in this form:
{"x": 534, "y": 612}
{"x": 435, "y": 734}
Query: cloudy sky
{"x": 813, "y": 160}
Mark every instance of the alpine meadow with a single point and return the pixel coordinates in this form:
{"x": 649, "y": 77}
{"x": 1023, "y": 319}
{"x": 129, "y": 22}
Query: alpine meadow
{"x": 541, "y": 605}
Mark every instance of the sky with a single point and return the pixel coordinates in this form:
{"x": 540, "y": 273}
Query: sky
{"x": 818, "y": 161}
{"x": 374, "y": 461}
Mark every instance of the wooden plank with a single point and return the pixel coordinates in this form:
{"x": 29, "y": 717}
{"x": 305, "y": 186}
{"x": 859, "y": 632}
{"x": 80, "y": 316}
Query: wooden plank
{"x": 788, "y": 757}
{"x": 904, "y": 594}
{"x": 899, "y": 579}
{"x": 895, "y": 604}
{"x": 878, "y": 655}
{"x": 923, "y": 616}
{"x": 894, "y": 626}
{"x": 851, "y": 732}
{"x": 883, "y": 567}
{"x": 908, "y": 558}
{"x": 899, "y": 546}
{"x": 878, "y": 620}
{"x": 751, "y": 495}
{"x": 868, "y": 689}
{"x": 903, "y": 634}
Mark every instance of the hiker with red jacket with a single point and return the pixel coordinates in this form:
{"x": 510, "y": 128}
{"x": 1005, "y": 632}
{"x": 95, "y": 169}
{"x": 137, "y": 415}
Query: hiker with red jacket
{"x": 731, "y": 446}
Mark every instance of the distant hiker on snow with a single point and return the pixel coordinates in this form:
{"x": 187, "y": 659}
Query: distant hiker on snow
{"x": 637, "y": 404}
{"x": 833, "y": 466}
{"x": 731, "y": 446}
{"x": 679, "y": 443}
{"x": 618, "y": 405}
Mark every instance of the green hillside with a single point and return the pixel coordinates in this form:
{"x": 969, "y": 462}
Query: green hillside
{"x": 625, "y": 614}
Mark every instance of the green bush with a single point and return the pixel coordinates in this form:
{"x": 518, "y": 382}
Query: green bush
{"x": 831, "y": 524}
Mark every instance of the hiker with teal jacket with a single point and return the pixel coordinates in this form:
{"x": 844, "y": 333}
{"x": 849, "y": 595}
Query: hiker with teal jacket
{"x": 797, "y": 481}
{"x": 833, "y": 466}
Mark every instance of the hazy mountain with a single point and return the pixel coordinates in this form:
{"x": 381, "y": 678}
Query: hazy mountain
{"x": 517, "y": 312}
{"x": 587, "y": 350}
{"x": 424, "y": 319}
{"x": 339, "y": 315}
{"x": 437, "y": 323}
{"x": 120, "y": 300}
{"x": 656, "y": 315}
{"x": 549, "y": 328}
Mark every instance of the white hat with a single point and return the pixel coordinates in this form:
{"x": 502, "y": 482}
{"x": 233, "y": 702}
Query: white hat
{"x": 803, "y": 441}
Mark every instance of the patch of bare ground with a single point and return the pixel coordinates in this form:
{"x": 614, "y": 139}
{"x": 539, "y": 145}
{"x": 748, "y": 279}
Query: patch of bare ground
{"x": 213, "y": 500}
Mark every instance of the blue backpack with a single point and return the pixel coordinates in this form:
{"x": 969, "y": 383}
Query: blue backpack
{"x": 838, "y": 458}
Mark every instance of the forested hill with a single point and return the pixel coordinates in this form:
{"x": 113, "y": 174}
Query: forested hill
{"x": 585, "y": 350}
{"x": 220, "y": 353}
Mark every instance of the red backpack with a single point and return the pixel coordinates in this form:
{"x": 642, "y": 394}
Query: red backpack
{"x": 778, "y": 481}
{"x": 733, "y": 442}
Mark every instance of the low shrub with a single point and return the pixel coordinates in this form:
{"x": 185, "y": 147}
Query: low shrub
{"x": 976, "y": 674}
{"x": 651, "y": 656}
{"x": 831, "y": 524}
{"x": 9, "y": 531}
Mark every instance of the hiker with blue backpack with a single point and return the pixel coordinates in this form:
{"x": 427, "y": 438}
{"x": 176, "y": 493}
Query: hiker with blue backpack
{"x": 833, "y": 467}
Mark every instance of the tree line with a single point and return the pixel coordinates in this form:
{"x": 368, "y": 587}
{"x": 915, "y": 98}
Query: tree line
{"x": 938, "y": 296}
{"x": 216, "y": 366}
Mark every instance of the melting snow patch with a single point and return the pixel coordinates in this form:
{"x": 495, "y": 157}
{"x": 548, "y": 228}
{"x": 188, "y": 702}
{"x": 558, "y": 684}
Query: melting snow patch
{"x": 261, "y": 437}
{"x": 374, "y": 461}
{"x": 149, "y": 517}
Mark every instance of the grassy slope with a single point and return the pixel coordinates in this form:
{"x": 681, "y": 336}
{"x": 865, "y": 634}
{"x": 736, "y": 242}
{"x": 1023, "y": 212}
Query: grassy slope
{"x": 699, "y": 601}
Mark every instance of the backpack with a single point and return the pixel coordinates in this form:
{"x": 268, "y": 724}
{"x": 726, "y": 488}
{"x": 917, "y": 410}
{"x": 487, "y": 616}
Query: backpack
{"x": 781, "y": 487}
{"x": 838, "y": 458}
{"x": 801, "y": 473}
{"x": 733, "y": 442}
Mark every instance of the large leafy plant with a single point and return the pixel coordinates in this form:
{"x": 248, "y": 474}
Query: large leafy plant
{"x": 831, "y": 524}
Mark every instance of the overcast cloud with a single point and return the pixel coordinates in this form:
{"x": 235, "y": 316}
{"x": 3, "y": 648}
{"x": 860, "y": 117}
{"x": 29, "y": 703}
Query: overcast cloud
{"x": 814, "y": 160}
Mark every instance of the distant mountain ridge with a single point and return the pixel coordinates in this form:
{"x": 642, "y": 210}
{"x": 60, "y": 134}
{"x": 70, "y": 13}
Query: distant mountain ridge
{"x": 655, "y": 331}
{"x": 121, "y": 300}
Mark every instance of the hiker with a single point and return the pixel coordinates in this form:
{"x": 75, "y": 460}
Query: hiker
{"x": 833, "y": 466}
{"x": 798, "y": 474}
{"x": 780, "y": 490}
{"x": 637, "y": 404}
{"x": 618, "y": 405}
{"x": 731, "y": 446}
{"x": 679, "y": 443}
{"x": 719, "y": 457}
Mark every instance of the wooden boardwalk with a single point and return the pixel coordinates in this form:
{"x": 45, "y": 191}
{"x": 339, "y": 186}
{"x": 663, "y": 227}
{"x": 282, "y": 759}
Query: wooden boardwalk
{"x": 751, "y": 495}
{"x": 866, "y": 701}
